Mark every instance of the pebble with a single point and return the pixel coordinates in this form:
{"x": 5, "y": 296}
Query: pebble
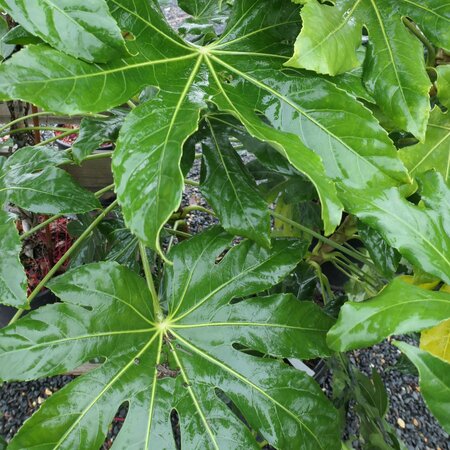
{"x": 401, "y": 423}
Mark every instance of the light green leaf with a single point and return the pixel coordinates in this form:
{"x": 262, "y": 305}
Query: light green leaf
{"x": 81, "y": 28}
{"x": 13, "y": 282}
{"x": 434, "y": 152}
{"x": 30, "y": 179}
{"x": 443, "y": 85}
{"x": 174, "y": 364}
{"x": 329, "y": 38}
{"x": 95, "y": 131}
{"x": 394, "y": 68}
{"x": 434, "y": 381}
{"x": 231, "y": 190}
{"x": 5, "y": 48}
{"x": 399, "y": 308}
{"x": 420, "y": 234}
{"x": 146, "y": 166}
{"x": 436, "y": 340}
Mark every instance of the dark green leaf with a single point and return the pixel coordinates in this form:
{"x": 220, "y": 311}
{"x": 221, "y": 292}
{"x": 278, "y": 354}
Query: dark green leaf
{"x": 232, "y": 192}
{"x": 421, "y": 235}
{"x": 81, "y": 28}
{"x": 399, "y": 308}
{"x": 30, "y": 179}
{"x": 443, "y": 85}
{"x": 13, "y": 282}
{"x": 434, "y": 381}
{"x": 382, "y": 254}
{"x": 19, "y": 36}
{"x": 174, "y": 364}
{"x": 94, "y": 132}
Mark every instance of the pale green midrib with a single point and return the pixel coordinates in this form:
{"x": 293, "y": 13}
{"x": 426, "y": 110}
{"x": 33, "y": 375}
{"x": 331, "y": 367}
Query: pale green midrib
{"x": 440, "y": 127}
{"x": 181, "y": 100}
{"x": 111, "y": 71}
{"x": 237, "y": 53}
{"x": 107, "y": 386}
{"x": 84, "y": 30}
{"x": 243, "y": 17}
{"x": 193, "y": 397}
{"x": 383, "y": 310}
{"x": 414, "y": 230}
{"x": 294, "y": 106}
{"x": 223, "y": 285}
{"x": 246, "y": 324}
{"x": 21, "y": 188}
{"x": 417, "y": 5}
{"x": 190, "y": 276}
{"x": 246, "y": 36}
{"x": 333, "y": 32}
{"x": 78, "y": 338}
{"x": 216, "y": 144}
{"x": 388, "y": 46}
{"x": 432, "y": 149}
{"x": 153, "y": 393}
{"x": 183, "y": 44}
{"x": 248, "y": 382}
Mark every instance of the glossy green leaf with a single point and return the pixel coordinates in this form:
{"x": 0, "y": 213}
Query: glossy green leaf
{"x": 5, "y": 48}
{"x": 81, "y": 28}
{"x": 13, "y": 282}
{"x": 230, "y": 189}
{"x": 394, "y": 68}
{"x": 434, "y": 152}
{"x": 420, "y": 234}
{"x": 436, "y": 340}
{"x": 94, "y": 132}
{"x": 329, "y": 38}
{"x": 382, "y": 254}
{"x": 434, "y": 381}
{"x": 174, "y": 364}
{"x": 398, "y": 308}
{"x": 19, "y": 36}
{"x": 443, "y": 84}
{"x": 146, "y": 166}
{"x": 31, "y": 180}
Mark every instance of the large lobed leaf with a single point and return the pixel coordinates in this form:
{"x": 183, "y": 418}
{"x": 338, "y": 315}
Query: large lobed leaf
{"x": 175, "y": 364}
{"x": 398, "y": 308}
{"x": 81, "y": 28}
{"x": 394, "y": 68}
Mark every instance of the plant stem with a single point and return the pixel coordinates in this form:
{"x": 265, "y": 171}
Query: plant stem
{"x": 431, "y": 56}
{"x": 62, "y": 135}
{"x": 29, "y": 116}
{"x": 151, "y": 285}
{"x": 38, "y": 227}
{"x": 64, "y": 258}
{"x": 43, "y": 128}
{"x": 100, "y": 155}
{"x": 191, "y": 182}
{"x": 318, "y": 236}
{"x": 189, "y": 209}
{"x": 131, "y": 104}
{"x": 178, "y": 233}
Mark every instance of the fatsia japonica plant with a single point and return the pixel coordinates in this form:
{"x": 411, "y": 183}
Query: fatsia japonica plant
{"x": 340, "y": 111}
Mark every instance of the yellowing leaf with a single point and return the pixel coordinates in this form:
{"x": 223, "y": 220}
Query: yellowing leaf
{"x": 436, "y": 340}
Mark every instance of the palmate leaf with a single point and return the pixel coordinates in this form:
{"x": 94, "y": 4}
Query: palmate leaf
{"x": 96, "y": 131}
{"x": 399, "y": 308}
{"x": 175, "y": 364}
{"x": 434, "y": 152}
{"x": 240, "y": 73}
{"x": 394, "y": 68}
{"x": 230, "y": 189}
{"x": 420, "y": 234}
{"x": 443, "y": 85}
{"x": 434, "y": 381}
{"x": 84, "y": 29}
{"x": 31, "y": 180}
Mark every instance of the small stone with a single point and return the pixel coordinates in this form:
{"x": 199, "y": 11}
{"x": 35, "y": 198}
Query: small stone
{"x": 40, "y": 400}
{"x": 48, "y": 392}
{"x": 415, "y": 422}
{"x": 401, "y": 423}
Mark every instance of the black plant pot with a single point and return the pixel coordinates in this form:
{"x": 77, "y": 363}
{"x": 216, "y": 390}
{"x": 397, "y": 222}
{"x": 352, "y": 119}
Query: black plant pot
{"x": 7, "y": 312}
